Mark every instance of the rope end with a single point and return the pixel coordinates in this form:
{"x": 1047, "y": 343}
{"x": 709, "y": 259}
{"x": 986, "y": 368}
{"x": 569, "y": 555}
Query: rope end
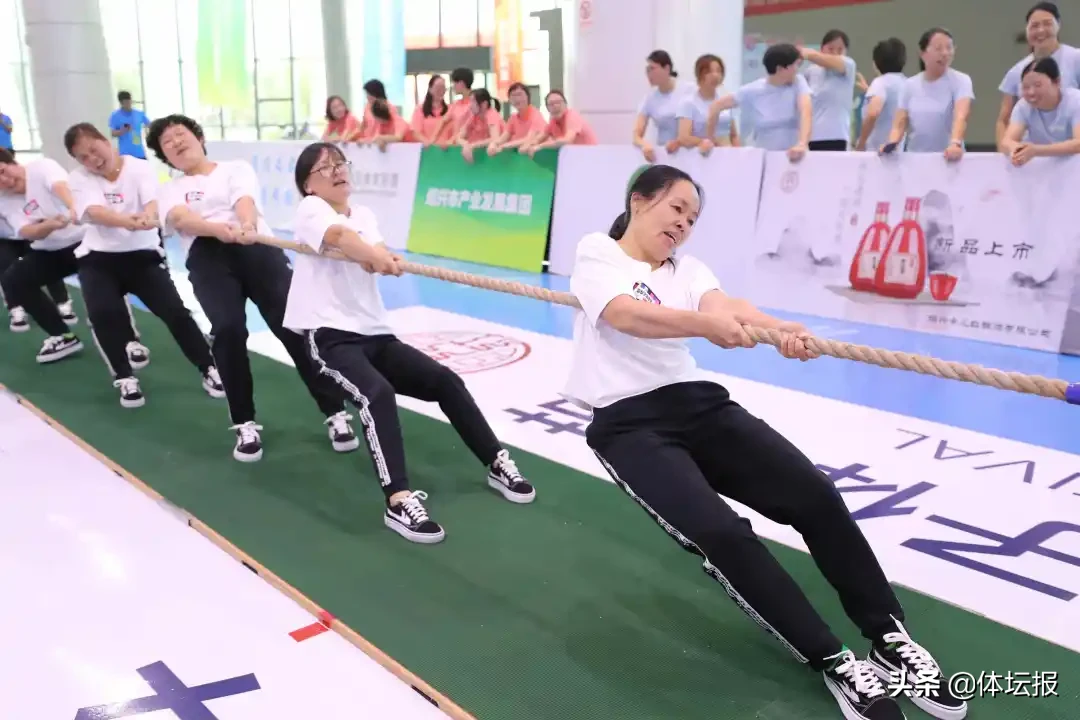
{"x": 1072, "y": 393}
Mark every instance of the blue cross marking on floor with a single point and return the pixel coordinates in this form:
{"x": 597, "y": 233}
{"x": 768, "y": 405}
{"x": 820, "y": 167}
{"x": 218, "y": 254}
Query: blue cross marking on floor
{"x": 170, "y": 693}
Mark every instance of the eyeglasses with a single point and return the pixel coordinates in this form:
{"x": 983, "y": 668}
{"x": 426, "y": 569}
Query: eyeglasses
{"x": 328, "y": 170}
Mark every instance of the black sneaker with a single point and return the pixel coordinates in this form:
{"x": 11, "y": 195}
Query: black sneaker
{"x": 907, "y": 667}
{"x": 67, "y": 311}
{"x": 248, "y": 442}
{"x": 504, "y": 477}
{"x": 409, "y": 519}
{"x": 138, "y": 355}
{"x": 211, "y": 383}
{"x": 130, "y": 393}
{"x": 858, "y": 691}
{"x": 341, "y": 433}
{"x": 17, "y": 320}
{"x": 58, "y": 347}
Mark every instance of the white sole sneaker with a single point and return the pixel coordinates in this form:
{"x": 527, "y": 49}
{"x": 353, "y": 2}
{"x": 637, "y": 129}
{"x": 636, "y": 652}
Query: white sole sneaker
{"x": 513, "y": 497}
{"x": 128, "y": 403}
{"x": 422, "y": 538}
{"x": 60, "y": 354}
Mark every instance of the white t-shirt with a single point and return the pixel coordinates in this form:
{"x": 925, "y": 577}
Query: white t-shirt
{"x": 930, "y": 105}
{"x": 333, "y": 293}
{"x": 135, "y": 187}
{"x": 212, "y": 196}
{"x": 831, "y": 93}
{"x": 39, "y": 203}
{"x": 772, "y": 111}
{"x": 609, "y": 365}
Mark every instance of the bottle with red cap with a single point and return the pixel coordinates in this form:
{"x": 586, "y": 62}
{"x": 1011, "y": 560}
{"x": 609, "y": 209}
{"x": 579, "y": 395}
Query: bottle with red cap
{"x": 901, "y": 271}
{"x": 868, "y": 255}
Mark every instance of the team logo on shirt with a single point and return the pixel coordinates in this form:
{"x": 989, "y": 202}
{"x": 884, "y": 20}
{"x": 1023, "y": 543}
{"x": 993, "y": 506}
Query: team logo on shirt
{"x": 30, "y": 208}
{"x": 645, "y": 293}
{"x": 465, "y": 351}
{"x": 193, "y": 197}
{"x": 114, "y": 198}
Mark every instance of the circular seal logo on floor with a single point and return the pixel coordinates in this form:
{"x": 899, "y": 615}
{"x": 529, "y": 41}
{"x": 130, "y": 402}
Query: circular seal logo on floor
{"x": 465, "y": 351}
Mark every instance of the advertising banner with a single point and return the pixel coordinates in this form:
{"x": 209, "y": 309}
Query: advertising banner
{"x": 591, "y": 193}
{"x": 495, "y": 210}
{"x": 977, "y": 249}
{"x": 385, "y": 182}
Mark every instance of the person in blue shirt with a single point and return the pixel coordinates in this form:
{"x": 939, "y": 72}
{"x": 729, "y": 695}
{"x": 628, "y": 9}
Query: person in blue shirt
{"x": 127, "y": 126}
{"x": 5, "y": 133}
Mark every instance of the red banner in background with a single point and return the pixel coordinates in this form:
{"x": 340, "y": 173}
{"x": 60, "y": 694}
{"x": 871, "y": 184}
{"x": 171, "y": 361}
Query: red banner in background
{"x": 509, "y": 39}
{"x": 771, "y": 7}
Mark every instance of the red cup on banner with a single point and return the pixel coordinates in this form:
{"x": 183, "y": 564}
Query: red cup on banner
{"x": 942, "y": 285}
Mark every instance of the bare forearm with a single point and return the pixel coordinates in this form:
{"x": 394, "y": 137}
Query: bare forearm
{"x": 654, "y": 322}
{"x": 104, "y": 216}
{"x": 349, "y": 244}
{"x": 246, "y": 212}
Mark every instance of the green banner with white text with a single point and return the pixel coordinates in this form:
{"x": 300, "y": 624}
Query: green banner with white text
{"x": 495, "y": 210}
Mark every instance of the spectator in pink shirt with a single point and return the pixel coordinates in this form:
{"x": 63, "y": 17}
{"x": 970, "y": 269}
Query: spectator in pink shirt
{"x": 566, "y": 126}
{"x": 483, "y": 125}
{"x": 371, "y": 126}
{"x": 341, "y": 125}
{"x": 524, "y": 127}
{"x": 427, "y": 120}
{"x": 387, "y": 126}
{"x": 461, "y": 80}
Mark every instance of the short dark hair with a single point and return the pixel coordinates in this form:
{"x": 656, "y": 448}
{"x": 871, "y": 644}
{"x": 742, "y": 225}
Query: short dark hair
{"x": 703, "y": 63}
{"x": 1047, "y": 66}
{"x": 159, "y": 126}
{"x": 663, "y": 59}
{"x": 481, "y": 95}
{"x": 780, "y": 56}
{"x": 651, "y": 183}
{"x": 554, "y": 91}
{"x": 890, "y": 56}
{"x": 462, "y": 75}
{"x": 522, "y": 87}
{"x": 1047, "y": 7}
{"x": 123, "y": 95}
{"x": 7, "y": 157}
{"x": 309, "y": 156}
{"x": 836, "y": 35}
{"x": 77, "y": 131}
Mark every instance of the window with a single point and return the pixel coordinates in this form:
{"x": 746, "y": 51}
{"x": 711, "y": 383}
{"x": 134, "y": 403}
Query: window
{"x": 422, "y": 24}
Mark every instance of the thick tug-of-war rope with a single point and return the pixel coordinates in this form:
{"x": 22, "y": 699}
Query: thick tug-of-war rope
{"x": 977, "y": 374}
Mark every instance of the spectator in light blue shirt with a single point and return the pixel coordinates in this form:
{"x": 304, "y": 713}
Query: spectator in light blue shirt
{"x": 5, "y": 133}
{"x": 1043, "y": 26}
{"x": 883, "y": 95}
{"x": 831, "y": 75}
{"x": 127, "y": 125}
{"x": 778, "y": 105}
{"x": 693, "y": 112}
{"x": 660, "y": 105}
{"x": 1047, "y": 112}
{"x": 936, "y": 103}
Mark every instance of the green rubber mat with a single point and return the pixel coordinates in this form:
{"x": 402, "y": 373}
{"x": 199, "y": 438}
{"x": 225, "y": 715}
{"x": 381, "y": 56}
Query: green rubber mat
{"x": 577, "y": 607}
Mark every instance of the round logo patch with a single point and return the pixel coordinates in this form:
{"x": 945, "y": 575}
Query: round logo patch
{"x": 467, "y": 352}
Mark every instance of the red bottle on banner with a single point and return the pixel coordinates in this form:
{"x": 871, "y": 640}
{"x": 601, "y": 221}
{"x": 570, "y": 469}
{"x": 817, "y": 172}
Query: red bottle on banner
{"x": 901, "y": 272}
{"x": 867, "y": 257}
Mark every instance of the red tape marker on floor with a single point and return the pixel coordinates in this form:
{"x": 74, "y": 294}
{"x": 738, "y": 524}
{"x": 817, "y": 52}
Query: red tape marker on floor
{"x": 318, "y": 628}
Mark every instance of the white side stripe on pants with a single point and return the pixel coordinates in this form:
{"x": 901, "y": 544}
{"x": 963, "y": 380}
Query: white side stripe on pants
{"x": 362, "y": 405}
{"x": 711, "y": 569}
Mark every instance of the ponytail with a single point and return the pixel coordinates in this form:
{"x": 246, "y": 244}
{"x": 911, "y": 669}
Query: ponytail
{"x": 618, "y": 228}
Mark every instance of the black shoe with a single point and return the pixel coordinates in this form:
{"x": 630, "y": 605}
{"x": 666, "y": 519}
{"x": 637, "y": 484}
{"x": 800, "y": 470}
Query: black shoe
{"x": 130, "y": 393}
{"x": 138, "y": 355}
{"x": 58, "y": 347}
{"x": 17, "y": 321}
{"x": 342, "y": 437}
{"x": 211, "y": 383}
{"x": 907, "y": 667}
{"x": 858, "y": 691}
{"x": 67, "y": 311}
{"x": 248, "y": 442}
{"x": 409, "y": 519}
{"x": 504, "y": 477}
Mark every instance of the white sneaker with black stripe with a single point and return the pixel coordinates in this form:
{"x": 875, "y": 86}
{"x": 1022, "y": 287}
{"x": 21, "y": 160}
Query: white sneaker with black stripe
{"x": 341, "y": 433}
{"x": 503, "y": 475}
{"x": 131, "y": 395}
{"x": 211, "y": 383}
{"x": 857, "y": 689}
{"x": 138, "y": 355}
{"x": 17, "y": 320}
{"x": 912, "y": 670}
{"x": 409, "y": 519}
{"x": 58, "y": 347}
{"x": 248, "y": 442}
{"x": 67, "y": 311}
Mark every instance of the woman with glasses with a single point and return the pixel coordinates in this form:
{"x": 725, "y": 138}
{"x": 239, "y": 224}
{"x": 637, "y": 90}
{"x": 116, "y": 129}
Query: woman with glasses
{"x": 338, "y": 308}
{"x": 214, "y": 207}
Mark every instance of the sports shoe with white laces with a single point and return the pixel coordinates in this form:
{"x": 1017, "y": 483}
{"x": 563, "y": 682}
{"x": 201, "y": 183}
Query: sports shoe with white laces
{"x": 131, "y": 395}
{"x": 409, "y": 519}
{"x": 67, "y": 311}
{"x": 909, "y": 668}
{"x": 248, "y": 442}
{"x": 505, "y": 477}
{"x": 138, "y": 355}
{"x": 211, "y": 383}
{"x": 17, "y": 320}
{"x": 341, "y": 433}
{"x": 58, "y": 347}
{"x": 858, "y": 691}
